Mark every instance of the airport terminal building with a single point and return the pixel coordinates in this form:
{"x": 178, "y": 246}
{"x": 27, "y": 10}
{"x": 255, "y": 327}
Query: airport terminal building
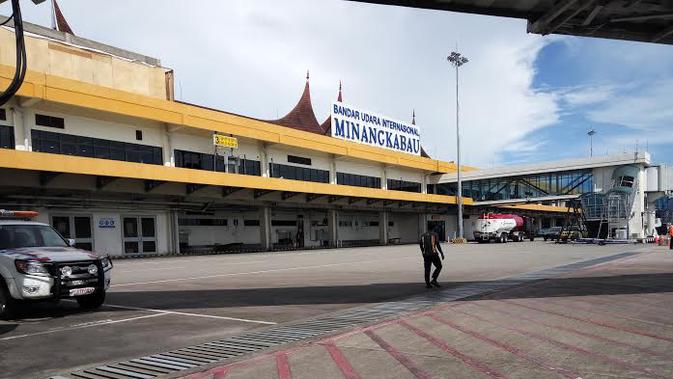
{"x": 96, "y": 142}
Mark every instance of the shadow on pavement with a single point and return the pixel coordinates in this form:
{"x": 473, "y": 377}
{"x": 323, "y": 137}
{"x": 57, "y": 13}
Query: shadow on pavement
{"x": 587, "y": 286}
{"x": 6, "y": 328}
{"x": 354, "y": 294}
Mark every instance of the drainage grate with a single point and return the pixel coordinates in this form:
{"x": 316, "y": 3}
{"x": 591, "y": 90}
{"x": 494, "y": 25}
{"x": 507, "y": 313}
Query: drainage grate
{"x": 162, "y": 364}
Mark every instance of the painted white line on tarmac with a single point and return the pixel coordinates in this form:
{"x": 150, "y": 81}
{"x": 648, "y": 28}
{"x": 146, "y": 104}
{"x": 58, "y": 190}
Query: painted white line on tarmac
{"x": 149, "y": 269}
{"x": 81, "y": 326}
{"x": 163, "y": 311}
{"x": 191, "y": 262}
{"x": 256, "y": 272}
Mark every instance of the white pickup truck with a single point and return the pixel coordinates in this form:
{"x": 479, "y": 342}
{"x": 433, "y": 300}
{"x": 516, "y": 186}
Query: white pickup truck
{"x": 37, "y": 263}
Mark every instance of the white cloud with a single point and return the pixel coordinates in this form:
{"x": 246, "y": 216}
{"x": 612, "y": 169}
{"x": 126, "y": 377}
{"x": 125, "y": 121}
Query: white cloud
{"x": 250, "y": 57}
{"x": 648, "y": 108}
{"x": 588, "y": 95}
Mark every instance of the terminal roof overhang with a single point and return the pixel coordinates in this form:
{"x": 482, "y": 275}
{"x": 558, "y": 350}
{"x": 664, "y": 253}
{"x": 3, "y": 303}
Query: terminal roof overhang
{"x": 634, "y": 20}
{"x": 641, "y": 158}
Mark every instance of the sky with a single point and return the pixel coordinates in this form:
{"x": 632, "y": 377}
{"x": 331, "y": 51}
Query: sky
{"x": 524, "y": 98}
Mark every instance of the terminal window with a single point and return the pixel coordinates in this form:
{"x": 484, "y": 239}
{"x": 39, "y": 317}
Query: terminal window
{"x": 6, "y": 137}
{"x": 298, "y": 173}
{"x": 210, "y": 162}
{"x": 50, "y": 121}
{"x": 358, "y": 180}
{"x": 59, "y": 143}
{"x": 403, "y": 185}
{"x": 298, "y": 160}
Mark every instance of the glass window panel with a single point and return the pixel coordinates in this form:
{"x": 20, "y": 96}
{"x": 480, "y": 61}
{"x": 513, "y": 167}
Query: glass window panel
{"x": 149, "y": 247}
{"x": 146, "y": 155}
{"x": 148, "y": 226}
{"x": 131, "y": 247}
{"x": 85, "y": 147}
{"x": 69, "y": 144}
{"x": 130, "y": 227}
{"x": 62, "y": 225}
{"x": 82, "y": 227}
{"x": 101, "y": 149}
{"x": 117, "y": 151}
{"x": 132, "y": 153}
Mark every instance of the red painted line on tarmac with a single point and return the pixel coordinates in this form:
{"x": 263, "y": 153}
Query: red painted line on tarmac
{"x": 479, "y": 366}
{"x": 338, "y": 357}
{"x": 283, "y": 366}
{"x": 221, "y": 373}
{"x": 406, "y": 362}
{"x": 566, "y": 346}
{"x": 576, "y": 331}
{"x": 509, "y": 348}
{"x": 591, "y": 321}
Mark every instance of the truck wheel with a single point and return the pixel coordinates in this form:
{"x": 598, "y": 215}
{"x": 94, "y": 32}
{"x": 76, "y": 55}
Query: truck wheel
{"x": 7, "y": 303}
{"x": 92, "y": 301}
{"x": 503, "y": 238}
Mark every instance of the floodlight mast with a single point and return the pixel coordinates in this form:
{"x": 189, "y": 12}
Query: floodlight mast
{"x": 457, "y": 60}
{"x": 591, "y": 133}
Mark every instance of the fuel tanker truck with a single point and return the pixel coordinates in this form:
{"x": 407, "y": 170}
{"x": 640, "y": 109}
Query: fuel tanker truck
{"x": 500, "y": 227}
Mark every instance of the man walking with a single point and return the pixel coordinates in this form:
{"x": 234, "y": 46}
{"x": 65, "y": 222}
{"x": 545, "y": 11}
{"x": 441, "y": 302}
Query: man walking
{"x": 430, "y": 248}
{"x": 670, "y": 237}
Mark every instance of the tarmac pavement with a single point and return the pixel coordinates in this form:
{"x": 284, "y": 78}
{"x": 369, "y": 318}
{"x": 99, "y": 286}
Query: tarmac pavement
{"x": 157, "y": 305}
{"x": 611, "y": 320}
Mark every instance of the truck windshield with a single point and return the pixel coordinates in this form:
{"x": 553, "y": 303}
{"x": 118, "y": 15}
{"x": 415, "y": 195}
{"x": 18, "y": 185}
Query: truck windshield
{"x": 18, "y": 236}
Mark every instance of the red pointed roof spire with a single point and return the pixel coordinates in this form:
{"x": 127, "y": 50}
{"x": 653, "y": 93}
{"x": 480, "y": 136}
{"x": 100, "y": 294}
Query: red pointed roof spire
{"x": 302, "y": 116}
{"x": 61, "y": 24}
{"x": 339, "y": 98}
{"x": 326, "y": 126}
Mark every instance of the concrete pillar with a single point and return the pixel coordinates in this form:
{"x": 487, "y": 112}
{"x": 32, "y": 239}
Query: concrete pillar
{"x": 174, "y": 232}
{"x": 383, "y": 228}
{"x": 384, "y": 178}
{"x": 264, "y": 159}
{"x": 265, "y": 228}
{"x": 422, "y": 223}
{"x": 332, "y": 170}
{"x": 22, "y": 129}
{"x": 424, "y": 184}
{"x": 167, "y": 146}
{"x": 333, "y": 227}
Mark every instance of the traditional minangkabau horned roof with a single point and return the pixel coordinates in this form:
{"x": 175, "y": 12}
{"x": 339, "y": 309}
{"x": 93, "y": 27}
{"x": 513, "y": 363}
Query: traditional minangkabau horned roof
{"x": 302, "y": 116}
{"x": 61, "y": 23}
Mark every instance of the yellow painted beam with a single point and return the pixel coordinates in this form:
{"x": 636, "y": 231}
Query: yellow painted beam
{"x": 76, "y": 93}
{"x": 33, "y": 161}
{"x": 536, "y": 207}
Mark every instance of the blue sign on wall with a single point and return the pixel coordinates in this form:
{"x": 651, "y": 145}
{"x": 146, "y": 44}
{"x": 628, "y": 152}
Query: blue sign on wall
{"x": 106, "y": 222}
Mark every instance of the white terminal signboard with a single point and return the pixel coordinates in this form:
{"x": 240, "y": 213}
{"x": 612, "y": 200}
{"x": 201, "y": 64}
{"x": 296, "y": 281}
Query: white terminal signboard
{"x": 354, "y": 124}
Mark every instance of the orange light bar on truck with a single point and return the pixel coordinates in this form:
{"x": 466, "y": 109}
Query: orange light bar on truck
{"x": 6, "y": 213}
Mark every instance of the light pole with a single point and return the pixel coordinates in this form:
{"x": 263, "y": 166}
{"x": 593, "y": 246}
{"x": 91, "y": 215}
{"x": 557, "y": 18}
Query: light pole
{"x": 591, "y": 133}
{"x": 458, "y": 60}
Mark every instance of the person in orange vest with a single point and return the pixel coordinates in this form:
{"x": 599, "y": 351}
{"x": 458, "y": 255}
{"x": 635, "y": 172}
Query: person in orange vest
{"x": 670, "y": 237}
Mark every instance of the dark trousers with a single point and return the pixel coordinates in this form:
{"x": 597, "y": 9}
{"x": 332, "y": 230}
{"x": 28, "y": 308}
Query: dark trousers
{"x": 670, "y": 238}
{"x": 428, "y": 261}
